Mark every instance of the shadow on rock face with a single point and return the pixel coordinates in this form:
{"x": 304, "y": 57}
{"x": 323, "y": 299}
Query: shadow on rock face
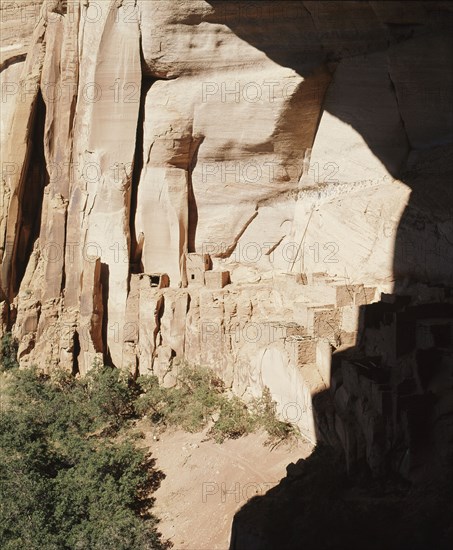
{"x": 385, "y": 478}
{"x": 319, "y": 506}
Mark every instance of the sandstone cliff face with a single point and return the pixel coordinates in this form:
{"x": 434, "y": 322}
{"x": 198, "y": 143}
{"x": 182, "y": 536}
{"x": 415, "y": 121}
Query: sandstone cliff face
{"x": 304, "y": 146}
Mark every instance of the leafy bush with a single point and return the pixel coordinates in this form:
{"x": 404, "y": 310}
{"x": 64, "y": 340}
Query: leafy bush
{"x": 234, "y": 421}
{"x": 8, "y": 352}
{"x": 65, "y": 484}
{"x": 265, "y": 411}
{"x": 189, "y": 405}
{"x": 200, "y": 397}
{"x": 110, "y": 392}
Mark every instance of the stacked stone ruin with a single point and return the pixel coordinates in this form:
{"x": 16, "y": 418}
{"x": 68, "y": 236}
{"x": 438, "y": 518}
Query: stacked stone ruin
{"x": 199, "y": 272}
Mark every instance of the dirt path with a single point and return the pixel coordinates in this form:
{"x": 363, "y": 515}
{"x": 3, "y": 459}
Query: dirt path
{"x": 207, "y": 482}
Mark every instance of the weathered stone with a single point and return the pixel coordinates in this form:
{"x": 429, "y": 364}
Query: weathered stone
{"x": 157, "y": 280}
{"x": 173, "y": 321}
{"x": 132, "y": 324}
{"x": 366, "y": 295}
{"x": 325, "y": 323}
{"x": 324, "y": 359}
{"x": 216, "y": 279}
{"x": 305, "y": 351}
{"x": 196, "y": 267}
{"x": 150, "y": 310}
{"x": 91, "y": 316}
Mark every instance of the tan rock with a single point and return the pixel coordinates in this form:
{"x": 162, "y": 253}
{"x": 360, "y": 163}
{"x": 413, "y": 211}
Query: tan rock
{"x": 91, "y": 316}
{"x": 216, "y": 279}
{"x": 196, "y": 181}
{"x": 150, "y": 307}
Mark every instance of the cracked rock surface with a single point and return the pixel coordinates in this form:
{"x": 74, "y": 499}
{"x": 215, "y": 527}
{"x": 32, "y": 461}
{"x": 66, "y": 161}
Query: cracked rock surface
{"x": 305, "y": 146}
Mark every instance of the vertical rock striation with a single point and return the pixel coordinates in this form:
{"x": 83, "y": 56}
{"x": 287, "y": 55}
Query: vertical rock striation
{"x": 303, "y": 146}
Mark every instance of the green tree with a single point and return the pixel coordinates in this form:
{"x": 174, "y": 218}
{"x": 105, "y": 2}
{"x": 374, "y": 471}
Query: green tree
{"x": 67, "y": 483}
{"x": 8, "y": 352}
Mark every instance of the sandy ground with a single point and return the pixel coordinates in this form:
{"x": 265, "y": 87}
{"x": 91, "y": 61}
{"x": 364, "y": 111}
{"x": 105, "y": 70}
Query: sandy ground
{"x": 207, "y": 482}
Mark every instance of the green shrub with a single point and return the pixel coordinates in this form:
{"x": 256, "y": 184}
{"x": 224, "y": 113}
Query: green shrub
{"x": 65, "y": 484}
{"x": 110, "y": 392}
{"x": 8, "y": 352}
{"x": 200, "y": 396}
{"x": 265, "y": 412}
{"x": 189, "y": 405}
{"x": 234, "y": 421}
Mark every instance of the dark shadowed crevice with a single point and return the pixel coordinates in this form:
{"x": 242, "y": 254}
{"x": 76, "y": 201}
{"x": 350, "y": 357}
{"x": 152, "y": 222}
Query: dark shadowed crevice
{"x": 19, "y": 58}
{"x": 31, "y": 199}
{"x": 75, "y": 354}
{"x": 159, "y": 312}
{"x": 136, "y": 265}
{"x": 105, "y": 275}
{"x": 403, "y": 124}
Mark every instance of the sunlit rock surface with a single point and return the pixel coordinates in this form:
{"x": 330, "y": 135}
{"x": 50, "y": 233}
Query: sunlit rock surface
{"x": 304, "y": 146}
